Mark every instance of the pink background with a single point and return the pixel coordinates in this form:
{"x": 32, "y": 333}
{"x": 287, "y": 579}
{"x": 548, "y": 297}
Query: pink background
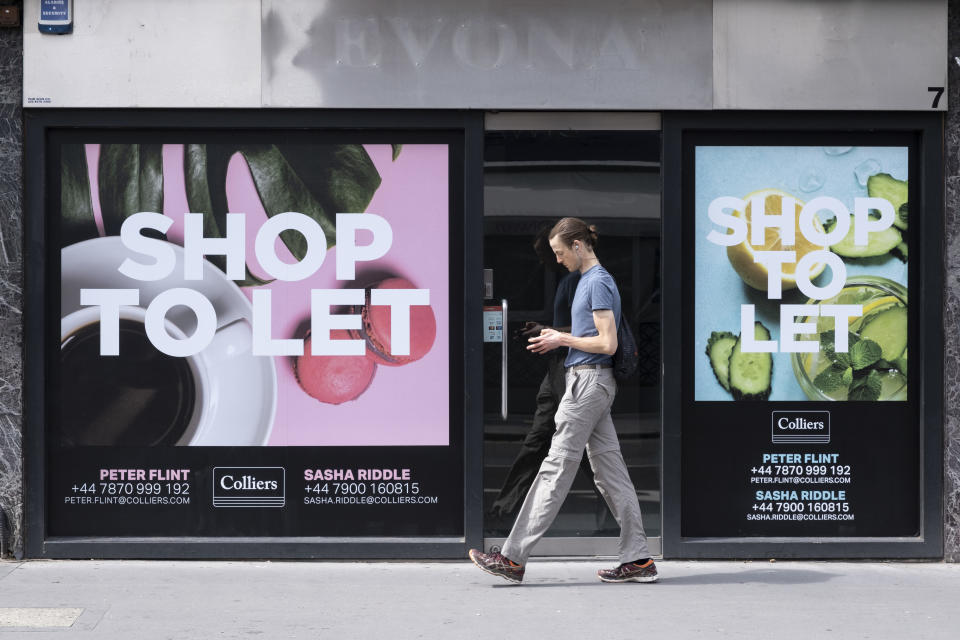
{"x": 407, "y": 405}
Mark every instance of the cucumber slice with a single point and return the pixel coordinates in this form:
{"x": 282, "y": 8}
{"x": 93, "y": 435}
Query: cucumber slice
{"x": 751, "y": 374}
{"x": 719, "y": 347}
{"x": 888, "y": 328}
{"x": 901, "y": 362}
{"x": 878, "y": 243}
{"x": 883, "y": 185}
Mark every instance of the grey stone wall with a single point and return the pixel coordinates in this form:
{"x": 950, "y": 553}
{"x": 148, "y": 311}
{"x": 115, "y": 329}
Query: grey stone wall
{"x": 11, "y": 283}
{"x": 951, "y": 316}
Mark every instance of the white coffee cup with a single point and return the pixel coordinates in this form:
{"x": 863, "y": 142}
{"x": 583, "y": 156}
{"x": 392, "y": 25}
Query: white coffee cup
{"x": 74, "y": 322}
{"x": 239, "y": 396}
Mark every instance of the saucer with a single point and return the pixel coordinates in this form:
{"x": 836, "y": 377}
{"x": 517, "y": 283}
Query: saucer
{"x": 243, "y": 397}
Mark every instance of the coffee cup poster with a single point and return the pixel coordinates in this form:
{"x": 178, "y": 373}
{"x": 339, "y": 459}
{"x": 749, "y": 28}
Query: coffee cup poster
{"x": 251, "y": 295}
{"x": 801, "y": 273}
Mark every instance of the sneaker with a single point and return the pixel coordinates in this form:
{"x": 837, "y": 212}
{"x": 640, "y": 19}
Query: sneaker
{"x": 631, "y": 572}
{"x": 497, "y": 565}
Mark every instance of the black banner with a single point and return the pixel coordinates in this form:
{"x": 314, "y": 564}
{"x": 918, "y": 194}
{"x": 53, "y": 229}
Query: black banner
{"x": 254, "y": 491}
{"x": 738, "y": 481}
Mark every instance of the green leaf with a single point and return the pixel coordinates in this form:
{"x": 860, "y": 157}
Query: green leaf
{"x": 281, "y": 190}
{"x": 76, "y": 206}
{"x": 860, "y": 374}
{"x": 396, "y": 151}
{"x": 868, "y": 388}
{"x": 829, "y": 379}
{"x": 864, "y": 353}
{"x": 827, "y": 340}
{"x": 119, "y": 179}
{"x": 847, "y": 377}
{"x": 342, "y": 178}
{"x": 151, "y": 177}
{"x": 828, "y": 346}
{"x": 205, "y": 165}
{"x": 131, "y": 181}
{"x": 315, "y": 180}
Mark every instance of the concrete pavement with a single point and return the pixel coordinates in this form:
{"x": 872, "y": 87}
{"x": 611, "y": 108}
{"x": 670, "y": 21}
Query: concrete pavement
{"x": 558, "y": 600}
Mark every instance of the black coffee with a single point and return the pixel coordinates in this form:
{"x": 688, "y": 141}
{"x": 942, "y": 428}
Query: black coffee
{"x": 142, "y": 397}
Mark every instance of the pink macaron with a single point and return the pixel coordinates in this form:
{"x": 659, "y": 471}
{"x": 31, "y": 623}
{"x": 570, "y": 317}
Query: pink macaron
{"x": 376, "y": 327}
{"x": 334, "y": 379}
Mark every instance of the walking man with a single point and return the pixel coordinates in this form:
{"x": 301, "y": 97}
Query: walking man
{"x": 583, "y": 421}
{"x": 536, "y": 443}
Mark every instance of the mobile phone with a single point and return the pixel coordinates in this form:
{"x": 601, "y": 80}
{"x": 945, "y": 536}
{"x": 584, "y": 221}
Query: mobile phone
{"x": 56, "y": 16}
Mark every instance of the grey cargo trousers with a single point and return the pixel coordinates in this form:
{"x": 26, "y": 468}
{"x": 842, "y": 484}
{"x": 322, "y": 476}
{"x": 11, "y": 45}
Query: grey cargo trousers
{"x": 583, "y": 420}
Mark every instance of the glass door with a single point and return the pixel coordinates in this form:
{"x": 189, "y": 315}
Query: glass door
{"x": 531, "y": 180}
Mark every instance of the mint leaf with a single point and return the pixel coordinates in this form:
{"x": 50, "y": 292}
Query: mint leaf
{"x": 847, "y": 376}
{"x": 828, "y": 346}
{"x": 827, "y": 339}
{"x": 862, "y": 393}
{"x": 829, "y": 380}
{"x": 864, "y": 353}
{"x": 859, "y": 375}
{"x": 841, "y": 360}
{"x": 866, "y": 388}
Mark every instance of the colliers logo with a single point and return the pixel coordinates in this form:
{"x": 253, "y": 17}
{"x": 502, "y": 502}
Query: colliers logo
{"x": 800, "y": 426}
{"x": 248, "y": 487}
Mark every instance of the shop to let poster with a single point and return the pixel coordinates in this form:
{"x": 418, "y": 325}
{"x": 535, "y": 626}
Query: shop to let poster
{"x": 254, "y": 339}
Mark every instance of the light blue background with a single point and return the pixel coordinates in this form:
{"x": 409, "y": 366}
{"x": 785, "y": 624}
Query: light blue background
{"x": 738, "y": 171}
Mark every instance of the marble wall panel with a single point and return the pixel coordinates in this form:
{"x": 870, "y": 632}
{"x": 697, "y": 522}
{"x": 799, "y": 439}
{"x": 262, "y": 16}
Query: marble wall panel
{"x": 11, "y": 283}
{"x": 951, "y": 315}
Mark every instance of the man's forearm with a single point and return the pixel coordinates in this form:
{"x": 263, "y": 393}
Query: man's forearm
{"x": 590, "y": 344}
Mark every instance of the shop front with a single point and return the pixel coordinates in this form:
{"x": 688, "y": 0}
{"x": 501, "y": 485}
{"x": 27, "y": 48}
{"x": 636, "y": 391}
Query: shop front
{"x": 296, "y": 331}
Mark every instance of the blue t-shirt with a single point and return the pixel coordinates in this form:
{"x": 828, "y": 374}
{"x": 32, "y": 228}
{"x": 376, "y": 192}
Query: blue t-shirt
{"x": 596, "y": 290}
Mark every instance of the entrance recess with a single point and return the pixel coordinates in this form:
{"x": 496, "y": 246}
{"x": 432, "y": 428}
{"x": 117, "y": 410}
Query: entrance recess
{"x": 535, "y": 174}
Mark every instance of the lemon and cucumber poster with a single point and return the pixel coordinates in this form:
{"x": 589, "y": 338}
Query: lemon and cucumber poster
{"x": 801, "y": 273}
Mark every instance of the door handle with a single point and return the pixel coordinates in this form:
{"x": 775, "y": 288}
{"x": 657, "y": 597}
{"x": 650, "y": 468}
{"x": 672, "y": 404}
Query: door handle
{"x": 503, "y": 364}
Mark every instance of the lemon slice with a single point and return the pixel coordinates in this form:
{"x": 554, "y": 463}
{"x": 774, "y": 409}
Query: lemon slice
{"x": 741, "y": 256}
{"x": 878, "y": 304}
{"x": 825, "y": 323}
{"x": 871, "y": 308}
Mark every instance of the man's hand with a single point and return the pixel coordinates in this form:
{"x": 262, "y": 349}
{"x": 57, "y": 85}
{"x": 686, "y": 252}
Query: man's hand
{"x": 548, "y": 340}
{"x": 529, "y": 329}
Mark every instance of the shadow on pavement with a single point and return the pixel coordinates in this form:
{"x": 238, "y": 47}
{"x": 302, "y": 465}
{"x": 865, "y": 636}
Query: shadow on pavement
{"x": 758, "y": 576}
{"x": 559, "y": 583}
